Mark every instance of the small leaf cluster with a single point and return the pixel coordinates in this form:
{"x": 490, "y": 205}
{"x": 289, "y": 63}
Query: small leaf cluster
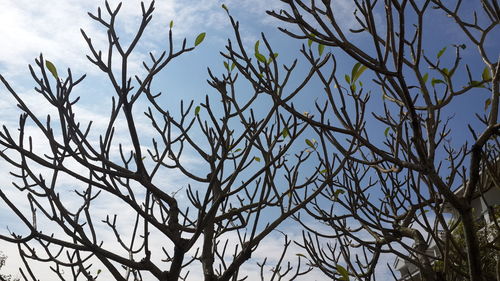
{"x": 321, "y": 47}
{"x": 356, "y": 72}
{"x": 260, "y": 57}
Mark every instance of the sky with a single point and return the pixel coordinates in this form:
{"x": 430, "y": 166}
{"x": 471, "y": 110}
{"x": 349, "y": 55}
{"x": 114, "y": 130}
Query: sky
{"x": 52, "y": 27}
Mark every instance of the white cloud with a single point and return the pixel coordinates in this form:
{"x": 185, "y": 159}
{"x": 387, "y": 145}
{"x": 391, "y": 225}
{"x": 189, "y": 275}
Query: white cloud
{"x": 52, "y": 27}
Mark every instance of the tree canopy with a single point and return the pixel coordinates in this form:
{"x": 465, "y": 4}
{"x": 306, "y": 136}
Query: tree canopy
{"x": 354, "y": 142}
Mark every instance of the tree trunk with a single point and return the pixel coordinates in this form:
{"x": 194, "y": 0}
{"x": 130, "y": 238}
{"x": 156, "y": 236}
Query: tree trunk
{"x": 472, "y": 246}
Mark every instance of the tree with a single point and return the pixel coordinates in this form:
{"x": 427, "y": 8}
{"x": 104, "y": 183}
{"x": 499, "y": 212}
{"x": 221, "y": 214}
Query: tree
{"x": 488, "y": 243}
{"x": 251, "y": 162}
{"x": 390, "y": 195}
{"x": 379, "y": 193}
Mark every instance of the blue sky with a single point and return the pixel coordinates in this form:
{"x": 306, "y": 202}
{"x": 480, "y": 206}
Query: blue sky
{"x": 51, "y": 27}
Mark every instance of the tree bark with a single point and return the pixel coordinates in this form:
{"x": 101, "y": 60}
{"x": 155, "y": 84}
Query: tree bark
{"x": 472, "y": 246}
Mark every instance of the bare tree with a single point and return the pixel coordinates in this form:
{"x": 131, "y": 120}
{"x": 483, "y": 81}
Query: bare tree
{"x": 384, "y": 194}
{"x": 391, "y": 195}
{"x": 250, "y": 179}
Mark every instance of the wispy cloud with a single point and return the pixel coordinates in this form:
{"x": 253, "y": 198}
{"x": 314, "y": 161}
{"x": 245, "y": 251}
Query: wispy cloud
{"x": 53, "y": 28}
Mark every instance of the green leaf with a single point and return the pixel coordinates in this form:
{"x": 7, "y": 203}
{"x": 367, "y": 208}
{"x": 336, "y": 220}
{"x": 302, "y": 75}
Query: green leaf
{"x": 310, "y": 143}
{"x": 197, "y": 110}
{"x": 272, "y": 57}
{"x": 486, "y": 74}
{"x": 476, "y": 84}
{"x": 232, "y": 66}
{"x": 257, "y": 159}
{"x": 441, "y": 52}
{"x": 225, "y": 7}
{"x": 171, "y": 24}
{"x": 321, "y": 48}
{"x": 226, "y": 65}
{"x": 50, "y": 66}
{"x": 285, "y": 132}
{"x": 310, "y": 41}
{"x": 347, "y": 79}
{"x": 199, "y": 39}
{"x": 260, "y": 58}
{"x": 256, "y": 47}
{"x": 343, "y": 272}
{"x": 324, "y": 171}
{"x": 426, "y": 76}
{"x": 487, "y": 104}
{"x": 446, "y": 71}
{"x": 386, "y": 132}
{"x": 435, "y": 81}
{"x": 355, "y": 69}
{"x": 237, "y": 150}
{"x": 99, "y": 271}
{"x": 300, "y": 255}
{"x": 337, "y": 193}
{"x": 358, "y": 72}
